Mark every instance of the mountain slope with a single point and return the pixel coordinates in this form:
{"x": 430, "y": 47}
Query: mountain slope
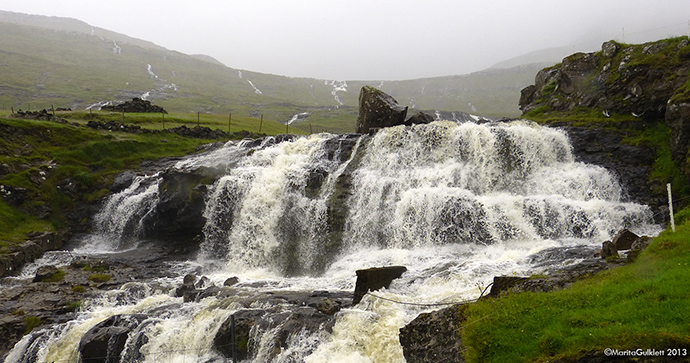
{"x": 68, "y": 63}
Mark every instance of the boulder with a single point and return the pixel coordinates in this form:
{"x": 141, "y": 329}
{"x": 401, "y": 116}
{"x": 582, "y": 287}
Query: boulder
{"x": 504, "y": 283}
{"x": 378, "y": 109}
{"x": 135, "y": 105}
{"x": 373, "y": 279}
{"x": 608, "y": 249}
{"x": 104, "y": 342}
{"x": 624, "y": 240}
{"x": 419, "y": 118}
{"x": 45, "y": 272}
{"x": 434, "y": 337}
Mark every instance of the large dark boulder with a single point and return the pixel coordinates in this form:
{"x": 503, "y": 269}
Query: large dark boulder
{"x": 434, "y": 337}
{"x": 378, "y": 109}
{"x": 104, "y": 342}
{"x": 376, "y": 278}
{"x": 135, "y": 105}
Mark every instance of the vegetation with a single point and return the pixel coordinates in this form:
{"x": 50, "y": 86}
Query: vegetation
{"x": 30, "y": 323}
{"x": 60, "y": 166}
{"x": 99, "y": 278}
{"x": 641, "y": 305}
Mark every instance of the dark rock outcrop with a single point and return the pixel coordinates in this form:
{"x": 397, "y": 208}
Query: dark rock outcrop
{"x": 419, "y": 118}
{"x": 372, "y": 279}
{"x": 31, "y": 249}
{"x": 104, "y": 342}
{"x": 646, "y": 81}
{"x": 434, "y": 337}
{"x": 624, "y": 240}
{"x": 378, "y": 109}
{"x": 135, "y": 105}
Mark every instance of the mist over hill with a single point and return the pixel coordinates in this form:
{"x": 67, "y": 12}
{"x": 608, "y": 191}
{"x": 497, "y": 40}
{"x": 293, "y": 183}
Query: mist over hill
{"x": 62, "y": 62}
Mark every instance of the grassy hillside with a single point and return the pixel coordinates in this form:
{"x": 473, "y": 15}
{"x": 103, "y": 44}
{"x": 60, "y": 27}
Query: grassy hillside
{"x": 639, "y": 306}
{"x": 49, "y": 171}
{"x": 67, "y": 63}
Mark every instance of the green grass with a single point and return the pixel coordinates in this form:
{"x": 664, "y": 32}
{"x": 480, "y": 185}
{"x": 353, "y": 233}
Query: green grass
{"x": 641, "y": 305}
{"x": 88, "y": 159}
{"x": 99, "y": 278}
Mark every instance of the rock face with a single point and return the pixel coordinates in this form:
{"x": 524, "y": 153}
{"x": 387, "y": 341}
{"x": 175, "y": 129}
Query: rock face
{"x": 434, "y": 337}
{"x": 378, "y": 109}
{"x": 105, "y": 342}
{"x": 35, "y": 245}
{"x": 647, "y": 81}
{"x": 372, "y": 279}
{"x": 135, "y": 105}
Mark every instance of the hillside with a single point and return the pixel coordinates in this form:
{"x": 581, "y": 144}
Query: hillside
{"x": 68, "y": 63}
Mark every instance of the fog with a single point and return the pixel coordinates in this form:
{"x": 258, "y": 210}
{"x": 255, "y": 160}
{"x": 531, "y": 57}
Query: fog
{"x": 373, "y": 40}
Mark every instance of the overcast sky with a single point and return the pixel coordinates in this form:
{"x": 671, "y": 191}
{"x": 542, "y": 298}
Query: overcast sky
{"x": 372, "y": 39}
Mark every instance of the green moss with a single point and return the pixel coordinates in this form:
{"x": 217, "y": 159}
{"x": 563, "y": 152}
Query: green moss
{"x": 99, "y": 278}
{"x": 31, "y": 323}
{"x": 57, "y": 277}
{"x": 78, "y": 288}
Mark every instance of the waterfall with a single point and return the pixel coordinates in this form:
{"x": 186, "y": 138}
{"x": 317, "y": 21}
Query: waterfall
{"x": 457, "y": 203}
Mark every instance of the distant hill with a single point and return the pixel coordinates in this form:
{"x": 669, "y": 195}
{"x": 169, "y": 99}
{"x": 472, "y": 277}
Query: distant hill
{"x": 68, "y": 63}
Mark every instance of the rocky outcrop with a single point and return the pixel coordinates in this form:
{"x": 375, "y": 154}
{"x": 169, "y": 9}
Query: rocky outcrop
{"x": 135, "y": 105}
{"x": 105, "y": 341}
{"x": 434, "y": 337}
{"x": 35, "y": 245}
{"x": 300, "y": 313}
{"x": 378, "y": 109}
{"x": 648, "y": 82}
{"x": 634, "y": 80}
{"x": 375, "y": 278}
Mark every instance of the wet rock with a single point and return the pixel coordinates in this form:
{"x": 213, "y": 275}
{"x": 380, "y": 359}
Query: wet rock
{"x": 231, "y": 281}
{"x": 419, "y": 118}
{"x": 608, "y": 249}
{"x": 378, "y": 109}
{"x": 328, "y": 306}
{"x": 45, "y": 272}
{"x": 504, "y": 283}
{"x": 122, "y": 181}
{"x": 104, "y": 342}
{"x": 624, "y": 240}
{"x": 373, "y": 279}
{"x": 434, "y": 337}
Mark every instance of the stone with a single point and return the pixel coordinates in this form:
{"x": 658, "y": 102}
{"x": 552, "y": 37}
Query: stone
{"x": 608, "y": 249}
{"x": 45, "y": 272}
{"x": 419, "y": 118}
{"x": 609, "y": 49}
{"x": 122, "y": 181}
{"x": 328, "y": 306}
{"x": 378, "y": 109}
{"x": 434, "y": 337}
{"x": 504, "y": 283}
{"x": 231, "y": 281}
{"x": 373, "y": 279}
{"x": 624, "y": 240}
{"x": 105, "y": 341}
{"x": 135, "y": 105}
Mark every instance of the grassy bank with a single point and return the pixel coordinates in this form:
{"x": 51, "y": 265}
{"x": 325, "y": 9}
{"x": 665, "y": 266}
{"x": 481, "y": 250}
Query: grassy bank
{"x": 642, "y": 305}
{"x": 50, "y": 170}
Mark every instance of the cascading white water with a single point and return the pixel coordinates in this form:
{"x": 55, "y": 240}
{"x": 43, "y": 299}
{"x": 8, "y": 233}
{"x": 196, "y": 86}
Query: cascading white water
{"x": 455, "y": 203}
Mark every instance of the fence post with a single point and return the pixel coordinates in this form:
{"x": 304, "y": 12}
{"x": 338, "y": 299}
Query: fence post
{"x": 13, "y": 110}
{"x": 670, "y": 207}
{"x": 229, "y": 121}
{"x": 310, "y": 132}
{"x": 52, "y": 108}
{"x": 261, "y": 122}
